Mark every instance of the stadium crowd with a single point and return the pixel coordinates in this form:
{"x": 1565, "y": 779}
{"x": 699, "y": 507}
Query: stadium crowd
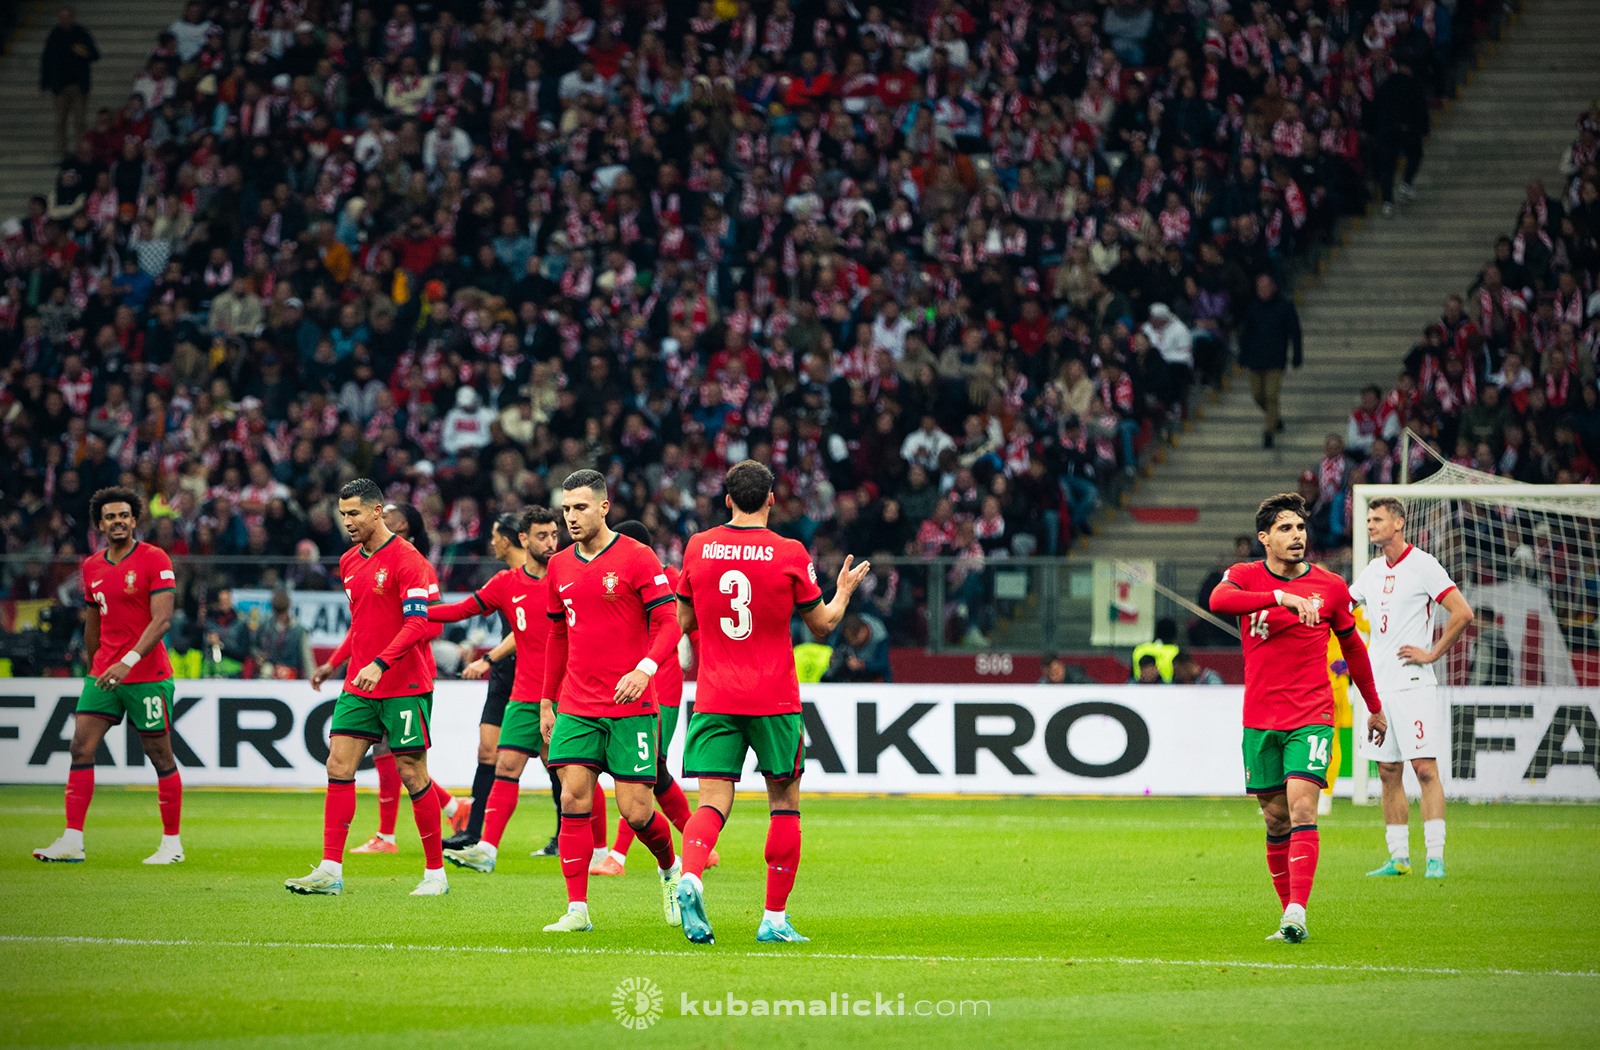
{"x": 1504, "y": 382}
{"x": 950, "y": 268}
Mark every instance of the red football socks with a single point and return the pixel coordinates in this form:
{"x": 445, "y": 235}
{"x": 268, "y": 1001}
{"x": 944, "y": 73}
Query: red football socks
{"x": 674, "y": 805}
{"x": 427, "y": 816}
{"x": 700, "y": 837}
{"x": 1278, "y": 866}
{"x": 80, "y": 792}
{"x": 502, "y": 803}
{"x": 597, "y": 820}
{"x": 337, "y": 813}
{"x": 624, "y": 838}
{"x": 657, "y": 837}
{"x": 573, "y": 843}
{"x": 388, "y": 793}
{"x": 443, "y": 797}
{"x": 1303, "y": 848}
{"x": 783, "y": 856}
{"x": 169, "y": 795}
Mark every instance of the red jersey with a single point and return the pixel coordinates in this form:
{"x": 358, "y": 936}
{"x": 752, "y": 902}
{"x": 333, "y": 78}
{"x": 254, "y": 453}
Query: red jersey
{"x": 1285, "y": 662}
{"x": 520, "y": 598}
{"x": 602, "y": 608}
{"x": 122, "y": 590}
{"x": 387, "y": 588}
{"x": 667, "y": 683}
{"x": 745, "y": 584}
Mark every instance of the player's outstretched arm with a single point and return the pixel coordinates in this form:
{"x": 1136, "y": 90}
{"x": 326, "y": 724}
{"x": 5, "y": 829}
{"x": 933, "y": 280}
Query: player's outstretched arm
{"x": 455, "y": 612}
{"x": 823, "y": 618}
{"x": 480, "y": 667}
{"x": 1461, "y": 617}
{"x": 329, "y": 669}
{"x": 1360, "y": 666}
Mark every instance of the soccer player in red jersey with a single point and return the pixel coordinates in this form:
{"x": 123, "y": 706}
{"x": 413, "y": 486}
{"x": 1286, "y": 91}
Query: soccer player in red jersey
{"x": 611, "y": 627}
{"x": 1285, "y": 608}
{"x": 741, "y": 583}
{"x": 128, "y": 591}
{"x": 518, "y": 594}
{"x": 667, "y": 688}
{"x": 389, "y": 687}
{"x": 405, "y": 521}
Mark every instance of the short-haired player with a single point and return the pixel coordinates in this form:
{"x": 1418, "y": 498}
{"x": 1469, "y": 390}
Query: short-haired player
{"x": 741, "y": 583}
{"x": 1402, "y": 589}
{"x": 1285, "y": 607}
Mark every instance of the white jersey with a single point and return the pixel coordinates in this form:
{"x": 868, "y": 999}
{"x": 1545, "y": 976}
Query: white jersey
{"x": 1400, "y": 600}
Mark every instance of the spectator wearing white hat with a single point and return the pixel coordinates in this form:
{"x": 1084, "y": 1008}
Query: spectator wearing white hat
{"x": 466, "y": 427}
{"x": 1175, "y": 343}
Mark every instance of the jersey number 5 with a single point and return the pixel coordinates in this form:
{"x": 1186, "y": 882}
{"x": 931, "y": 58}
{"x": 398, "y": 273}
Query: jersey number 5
{"x": 1258, "y": 624}
{"x": 739, "y": 626}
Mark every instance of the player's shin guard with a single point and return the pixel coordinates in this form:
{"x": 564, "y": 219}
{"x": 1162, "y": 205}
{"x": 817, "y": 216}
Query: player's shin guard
{"x": 576, "y": 849}
{"x": 337, "y": 813}
{"x": 700, "y": 838}
{"x": 497, "y": 811}
{"x": 388, "y": 793}
{"x": 427, "y": 817}
{"x": 670, "y": 797}
{"x": 597, "y": 820}
{"x": 80, "y": 792}
{"x": 1278, "y": 866}
{"x": 482, "y": 784}
{"x": 169, "y": 796}
{"x": 656, "y": 834}
{"x": 1303, "y": 848}
{"x": 783, "y": 856}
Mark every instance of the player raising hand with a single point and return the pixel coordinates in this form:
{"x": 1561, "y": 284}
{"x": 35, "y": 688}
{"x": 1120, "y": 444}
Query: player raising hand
{"x": 1285, "y": 608}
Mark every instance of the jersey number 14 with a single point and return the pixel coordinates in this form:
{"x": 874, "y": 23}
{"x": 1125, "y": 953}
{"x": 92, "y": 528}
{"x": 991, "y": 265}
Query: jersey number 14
{"x": 1258, "y": 624}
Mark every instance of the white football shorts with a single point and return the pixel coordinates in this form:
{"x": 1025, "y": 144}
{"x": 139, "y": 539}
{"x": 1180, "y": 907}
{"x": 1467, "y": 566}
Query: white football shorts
{"x": 1418, "y": 727}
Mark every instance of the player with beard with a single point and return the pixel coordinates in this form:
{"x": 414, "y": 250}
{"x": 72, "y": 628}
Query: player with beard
{"x": 1285, "y": 608}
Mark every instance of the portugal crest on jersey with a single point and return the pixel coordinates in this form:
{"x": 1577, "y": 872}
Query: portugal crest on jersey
{"x": 609, "y": 580}
{"x": 378, "y": 580}
{"x": 129, "y": 580}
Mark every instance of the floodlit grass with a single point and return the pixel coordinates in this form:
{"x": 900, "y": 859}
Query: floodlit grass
{"x": 1036, "y": 922}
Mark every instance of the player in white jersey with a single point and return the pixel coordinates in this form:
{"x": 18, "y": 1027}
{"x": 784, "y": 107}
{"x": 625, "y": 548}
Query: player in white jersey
{"x": 1400, "y": 589}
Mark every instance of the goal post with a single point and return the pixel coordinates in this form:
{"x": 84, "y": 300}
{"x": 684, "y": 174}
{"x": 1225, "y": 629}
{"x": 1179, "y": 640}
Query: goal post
{"x": 1527, "y": 557}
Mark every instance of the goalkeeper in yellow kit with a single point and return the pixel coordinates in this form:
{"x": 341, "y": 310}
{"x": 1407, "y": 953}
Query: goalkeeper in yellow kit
{"x": 1339, "y": 681}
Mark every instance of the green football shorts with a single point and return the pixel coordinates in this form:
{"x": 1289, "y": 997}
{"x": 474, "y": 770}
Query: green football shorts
{"x": 669, "y": 725}
{"x": 404, "y": 718}
{"x": 1272, "y": 757}
{"x": 624, "y": 747}
{"x": 519, "y": 728}
{"x": 148, "y": 705}
{"x": 716, "y": 745}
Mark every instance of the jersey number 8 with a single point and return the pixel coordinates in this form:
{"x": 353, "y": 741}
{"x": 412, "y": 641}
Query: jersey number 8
{"x": 522, "y": 619}
{"x": 742, "y": 623}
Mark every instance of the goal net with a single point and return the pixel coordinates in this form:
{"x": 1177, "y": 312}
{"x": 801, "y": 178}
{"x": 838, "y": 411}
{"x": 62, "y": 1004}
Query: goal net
{"x": 1526, "y": 558}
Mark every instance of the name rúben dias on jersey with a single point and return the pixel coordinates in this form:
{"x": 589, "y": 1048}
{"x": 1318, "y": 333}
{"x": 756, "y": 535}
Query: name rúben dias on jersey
{"x": 738, "y": 551}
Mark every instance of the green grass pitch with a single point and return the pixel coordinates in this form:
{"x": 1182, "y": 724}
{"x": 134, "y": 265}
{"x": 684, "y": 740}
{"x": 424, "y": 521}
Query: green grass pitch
{"x": 1044, "y": 922}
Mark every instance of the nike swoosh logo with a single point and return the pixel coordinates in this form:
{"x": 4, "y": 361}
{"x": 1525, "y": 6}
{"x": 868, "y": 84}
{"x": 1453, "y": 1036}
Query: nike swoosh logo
{"x": 1296, "y": 859}
{"x": 563, "y": 587}
{"x": 568, "y": 860}
{"x": 518, "y": 598}
{"x": 640, "y": 769}
{"x": 408, "y": 740}
{"x": 347, "y": 579}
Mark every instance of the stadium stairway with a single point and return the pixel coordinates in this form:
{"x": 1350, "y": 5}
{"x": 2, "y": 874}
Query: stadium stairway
{"x": 124, "y": 30}
{"x": 1511, "y": 123}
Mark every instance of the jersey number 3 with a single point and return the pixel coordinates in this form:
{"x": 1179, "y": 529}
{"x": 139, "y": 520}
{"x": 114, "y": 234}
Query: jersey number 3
{"x": 1258, "y": 624}
{"x": 739, "y": 625}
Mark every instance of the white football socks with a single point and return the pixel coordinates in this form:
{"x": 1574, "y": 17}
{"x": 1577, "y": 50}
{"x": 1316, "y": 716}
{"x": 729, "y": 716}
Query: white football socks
{"x": 73, "y": 837}
{"x": 1433, "y": 838}
{"x": 620, "y": 858}
{"x": 777, "y": 918}
{"x": 490, "y": 848}
{"x": 600, "y": 854}
{"x": 1398, "y": 836}
{"x": 332, "y": 867}
{"x": 387, "y": 838}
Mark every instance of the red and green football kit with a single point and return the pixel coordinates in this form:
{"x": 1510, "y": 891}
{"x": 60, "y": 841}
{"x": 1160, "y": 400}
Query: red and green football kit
{"x": 745, "y": 584}
{"x": 1288, "y": 700}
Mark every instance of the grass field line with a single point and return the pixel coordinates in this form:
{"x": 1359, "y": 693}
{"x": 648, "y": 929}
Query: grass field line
{"x": 494, "y": 949}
